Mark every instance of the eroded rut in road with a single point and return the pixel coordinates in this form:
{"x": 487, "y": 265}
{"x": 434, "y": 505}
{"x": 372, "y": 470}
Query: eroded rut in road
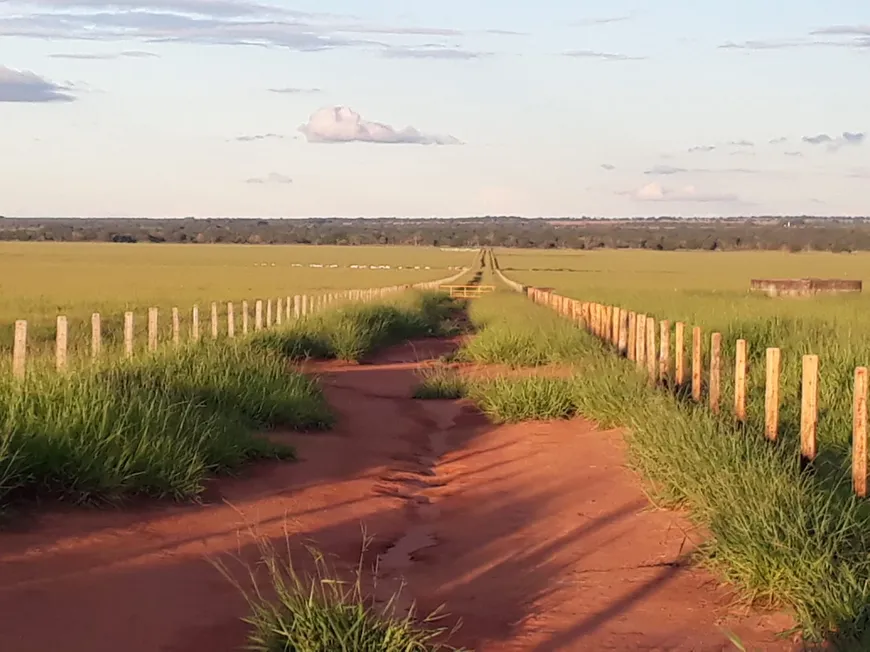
{"x": 534, "y": 534}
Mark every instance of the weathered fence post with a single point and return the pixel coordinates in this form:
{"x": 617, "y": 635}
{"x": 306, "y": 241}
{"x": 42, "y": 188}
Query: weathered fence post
{"x": 771, "y": 394}
{"x": 214, "y": 320}
{"x": 245, "y": 318}
{"x": 740, "y": 361}
{"x": 859, "y": 434}
{"x": 96, "y": 335}
{"x": 231, "y": 320}
{"x": 128, "y": 334}
{"x": 288, "y": 307}
{"x": 809, "y": 407}
{"x": 696, "y": 364}
{"x": 297, "y": 306}
{"x": 652, "y": 362}
{"x": 268, "y": 313}
{"x": 632, "y": 336}
{"x": 176, "y": 328}
{"x": 665, "y": 352}
{"x": 258, "y": 315}
{"x": 680, "y": 353}
{"x": 623, "y": 331}
{"x": 714, "y": 387}
{"x": 640, "y": 357}
{"x": 194, "y": 324}
{"x": 19, "y": 350}
{"x": 152, "y": 329}
{"x": 279, "y": 312}
{"x": 60, "y": 343}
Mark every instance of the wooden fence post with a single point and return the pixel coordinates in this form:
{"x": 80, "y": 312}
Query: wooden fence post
{"x": 297, "y": 306}
{"x": 623, "y": 332}
{"x": 96, "y": 335}
{"x": 214, "y": 320}
{"x": 176, "y": 328}
{"x": 194, "y": 324}
{"x": 19, "y": 350}
{"x": 740, "y": 362}
{"x": 809, "y": 407}
{"x": 771, "y": 394}
{"x": 152, "y": 329}
{"x": 652, "y": 362}
{"x": 859, "y": 434}
{"x": 632, "y": 336}
{"x": 60, "y": 343}
{"x": 640, "y": 356}
{"x": 258, "y": 315}
{"x": 665, "y": 352}
{"x": 245, "y": 318}
{"x": 696, "y": 364}
{"x": 288, "y": 307}
{"x": 128, "y": 334}
{"x": 231, "y": 320}
{"x": 680, "y": 353}
{"x": 304, "y": 309}
{"x": 714, "y": 387}
{"x": 614, "y": 325}
{"x": 279, "y": 312}
{"x": 268, "y": 313}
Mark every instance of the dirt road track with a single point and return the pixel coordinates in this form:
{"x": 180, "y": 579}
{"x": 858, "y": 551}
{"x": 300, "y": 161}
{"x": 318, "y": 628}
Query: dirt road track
{"x": 534, "y": 534}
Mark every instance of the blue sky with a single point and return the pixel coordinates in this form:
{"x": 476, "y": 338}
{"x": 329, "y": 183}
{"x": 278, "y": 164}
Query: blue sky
{"x": 409, "y": 108}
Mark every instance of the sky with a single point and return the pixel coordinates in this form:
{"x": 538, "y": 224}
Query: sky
{"x": 557, "y": 108}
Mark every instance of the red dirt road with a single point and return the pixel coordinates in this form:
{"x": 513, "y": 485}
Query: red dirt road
{"x": 535, "y": 535}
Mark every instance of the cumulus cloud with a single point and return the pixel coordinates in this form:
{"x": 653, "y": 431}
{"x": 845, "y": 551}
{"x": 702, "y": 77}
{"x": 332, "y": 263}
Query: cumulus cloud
{"x": 105, "y": 56}
{"x": 778, "y": 141}
{"x": 341, "y": 124}
{"x": 26, "y": 86}
{"x": 834, "y": 143}
{"x": 699, "y": 149}
{"x": 601, "y": 56}
{"x": 794, "y": 154}
{"x": 742, "y": 143}
{"x": 608, "y": 167}
{"x": 655, "y": 192}
{"x": 273, "y": 178}
{"x": 255, "y": 137}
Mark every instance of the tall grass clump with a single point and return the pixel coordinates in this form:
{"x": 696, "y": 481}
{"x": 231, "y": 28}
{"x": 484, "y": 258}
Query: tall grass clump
{"x": 325, "y": 611}
{"x": 440, "y": 382}
{"x": 787, "y": 537}
{"x": 508, "y": 334}
{"x": 155, "y": 426}
{"x": 353, "y": 331}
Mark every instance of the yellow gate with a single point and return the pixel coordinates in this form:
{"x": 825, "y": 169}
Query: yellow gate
{"x": 468, "y": 291}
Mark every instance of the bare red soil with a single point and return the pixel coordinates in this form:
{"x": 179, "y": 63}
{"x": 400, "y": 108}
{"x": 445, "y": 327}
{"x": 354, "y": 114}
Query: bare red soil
{"x": 535, "y": 535}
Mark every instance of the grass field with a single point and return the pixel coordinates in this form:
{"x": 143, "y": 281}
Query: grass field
{"x": 710, "y": 290}
{"x": 38, "y": 281}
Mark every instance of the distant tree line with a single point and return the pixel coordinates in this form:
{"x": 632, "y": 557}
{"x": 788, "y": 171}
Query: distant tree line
{"x": 663, "y": 234}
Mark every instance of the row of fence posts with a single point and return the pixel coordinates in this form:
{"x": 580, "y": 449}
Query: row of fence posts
{"x": 634, "y": 336}
{"x": 266, "y": 314}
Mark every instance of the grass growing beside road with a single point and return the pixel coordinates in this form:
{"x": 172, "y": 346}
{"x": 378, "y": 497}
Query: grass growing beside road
{"x": 353, "y": 331}
{"x": 158, "y": 425}
{"x": 323, "y": 611}
{"x": 786, "y": 537}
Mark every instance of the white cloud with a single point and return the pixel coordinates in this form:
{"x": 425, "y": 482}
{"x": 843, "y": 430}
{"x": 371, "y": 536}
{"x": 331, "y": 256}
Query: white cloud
{"x": 601, "y": 56}
{"x": 657, "y": 193}
{"x": 341, "y": 124}
{"x": 271, "y": 178}
{"x": 26, "y": 86}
